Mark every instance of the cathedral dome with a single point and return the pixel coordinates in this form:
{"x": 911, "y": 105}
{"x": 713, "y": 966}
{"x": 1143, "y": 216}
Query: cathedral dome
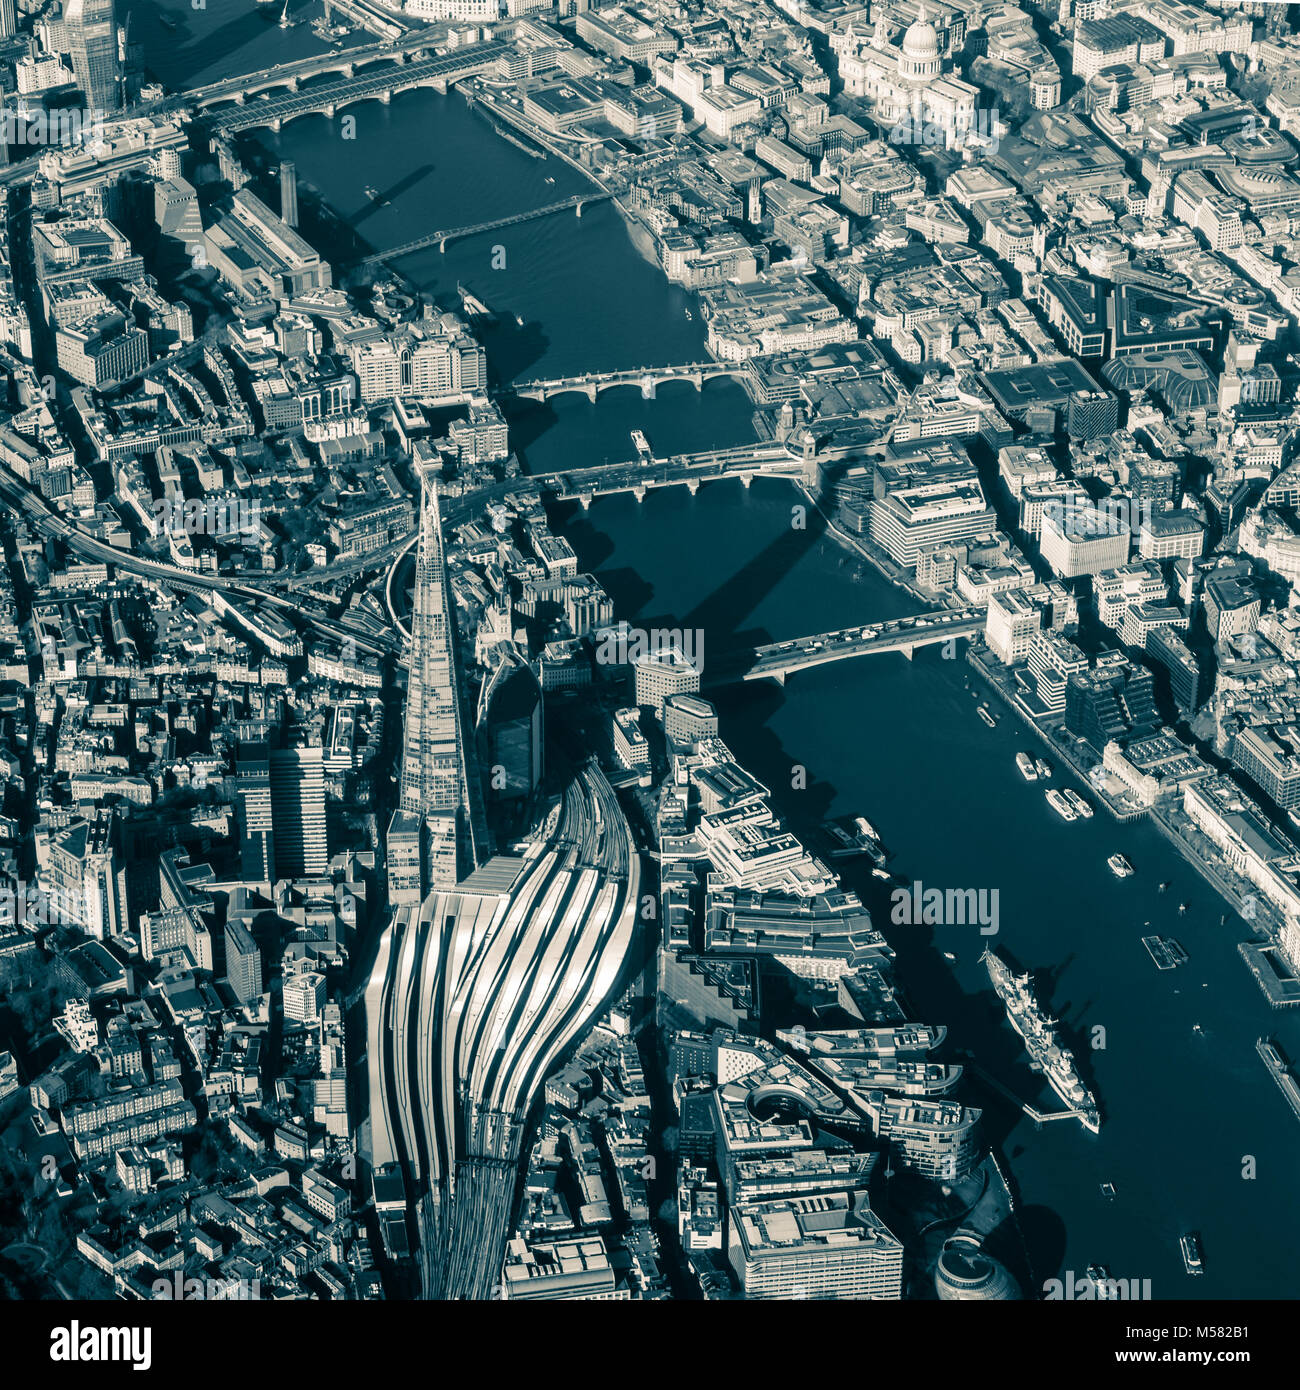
{"x": 921, "y": 42}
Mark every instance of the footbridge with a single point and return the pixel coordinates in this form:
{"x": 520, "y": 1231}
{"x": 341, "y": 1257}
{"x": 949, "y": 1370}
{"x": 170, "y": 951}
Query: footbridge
{"x": 443, "y": 238}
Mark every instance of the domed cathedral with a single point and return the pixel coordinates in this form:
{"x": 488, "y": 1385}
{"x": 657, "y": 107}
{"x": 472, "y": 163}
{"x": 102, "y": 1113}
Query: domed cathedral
{"x": 906, "y": 83}
{"x": 919, "y": 59}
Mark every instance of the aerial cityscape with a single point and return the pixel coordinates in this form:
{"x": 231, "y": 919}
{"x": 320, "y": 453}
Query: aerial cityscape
{"x": 649, "y": 651}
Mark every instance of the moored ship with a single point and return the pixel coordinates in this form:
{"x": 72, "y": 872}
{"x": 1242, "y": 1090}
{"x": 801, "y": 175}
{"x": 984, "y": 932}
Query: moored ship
{"x": 1056, "y": 1062}
{"x": 1061, "y": 806}
{"x": 475, "y": 307}
{"x": 1081, "y": 807}
{"x": 1280, "y": 1073}
{"x": 852, "y": 837}
{"x": 1027, "y": 768}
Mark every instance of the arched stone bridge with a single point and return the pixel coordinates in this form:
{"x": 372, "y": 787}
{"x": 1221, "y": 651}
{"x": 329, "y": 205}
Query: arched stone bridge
{"x": 647, "y": 378}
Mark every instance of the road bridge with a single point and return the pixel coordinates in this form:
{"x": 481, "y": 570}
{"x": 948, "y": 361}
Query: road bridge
{"x": 647, "y": 378}
{"x": 777, "y": 660}
{"x": 585, "y": 484}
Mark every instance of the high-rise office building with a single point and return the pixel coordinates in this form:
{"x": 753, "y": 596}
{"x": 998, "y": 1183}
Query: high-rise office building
{"x": 8, "y": 19}
{"x": 297, "y": 778}
{"x": 243, "y": 962}
{"x": 289, "y": 192}
{"x": 85, "y": 876}
{"x": 253, "y": 787}
{"x": 1113, "y": 702}
{"x": 660, "y": 674}
{"x": 176, "y": 210}
{"x": 91, "y": 29}
{"x": 1178, "y": 664}
{"x": 688, "y": 719}
{"x": 303, "y": 995}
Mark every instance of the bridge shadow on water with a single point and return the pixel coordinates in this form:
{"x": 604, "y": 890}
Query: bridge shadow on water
{"x": 387, "y": 195}
{"x": 528, "y": 420}
{"x": 721, "y": 615}
{"x": 203, "y": 48}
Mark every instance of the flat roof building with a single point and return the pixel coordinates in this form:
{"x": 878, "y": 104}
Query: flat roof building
{"x": 1082, "y": 540}
{"x": 661, "y": 674}
{"x": 829, "y": 1245}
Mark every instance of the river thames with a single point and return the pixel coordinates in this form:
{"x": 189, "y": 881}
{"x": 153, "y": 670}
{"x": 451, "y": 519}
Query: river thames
{"x": 1195, "y": 1134}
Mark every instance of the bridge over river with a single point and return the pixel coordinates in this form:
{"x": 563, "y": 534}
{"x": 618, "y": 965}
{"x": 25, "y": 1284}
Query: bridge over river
{"x": 779, "y": 659}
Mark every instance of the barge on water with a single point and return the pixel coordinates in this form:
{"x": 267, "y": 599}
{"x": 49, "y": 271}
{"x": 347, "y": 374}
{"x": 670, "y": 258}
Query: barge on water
{"x": 1165, "y": 951}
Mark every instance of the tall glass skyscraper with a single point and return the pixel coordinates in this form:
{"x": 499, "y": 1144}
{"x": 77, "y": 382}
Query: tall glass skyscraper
{"x": 438, "y": 787}
{"x": 92, "y": 44}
